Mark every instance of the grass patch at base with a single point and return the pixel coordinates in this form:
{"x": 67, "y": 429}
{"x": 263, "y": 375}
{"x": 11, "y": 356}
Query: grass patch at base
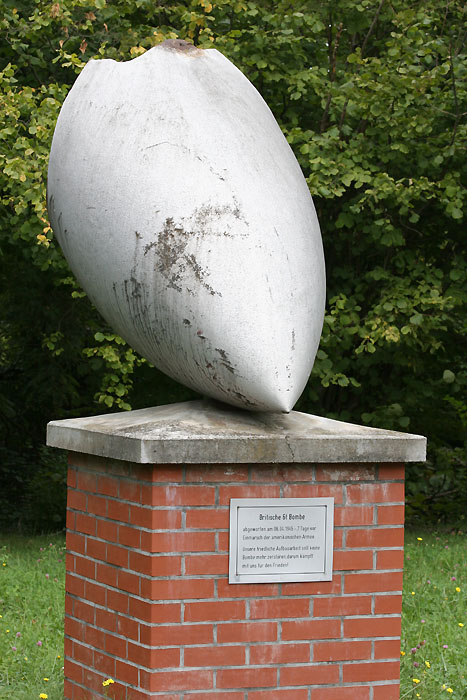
{"x": 32, "y": 594}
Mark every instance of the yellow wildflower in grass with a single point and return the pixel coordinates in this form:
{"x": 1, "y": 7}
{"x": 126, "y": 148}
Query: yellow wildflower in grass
{"x": 461, "y": 624}
{"x": 449, "y": 690}
{"x": 402, "y": 653}
{"x": 413, "y": 592}
{"x": 420, "y": 539}
{"x": 46, "y": 679}
{"x": 458, "y": 589}
{"x": 43, "y": 696}
{"x": 416, "y": 680}
{"x": 427, "y": 664}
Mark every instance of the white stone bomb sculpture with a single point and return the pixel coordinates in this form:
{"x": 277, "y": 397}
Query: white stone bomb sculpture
{"x": 184, "y": 214}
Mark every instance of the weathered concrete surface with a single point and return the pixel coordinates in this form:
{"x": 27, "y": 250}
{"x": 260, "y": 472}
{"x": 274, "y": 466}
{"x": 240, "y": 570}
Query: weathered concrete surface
{"x": 208, "y": 432}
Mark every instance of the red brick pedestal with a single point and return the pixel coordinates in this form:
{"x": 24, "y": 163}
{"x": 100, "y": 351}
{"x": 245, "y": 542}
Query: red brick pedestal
{"x": 149, "y": 605}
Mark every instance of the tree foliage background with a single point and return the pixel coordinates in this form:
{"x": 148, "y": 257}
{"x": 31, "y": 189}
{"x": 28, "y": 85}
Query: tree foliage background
{"x": 371, "y": 97}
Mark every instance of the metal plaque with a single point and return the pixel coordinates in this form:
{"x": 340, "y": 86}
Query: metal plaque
{"x": 281, "y": 539}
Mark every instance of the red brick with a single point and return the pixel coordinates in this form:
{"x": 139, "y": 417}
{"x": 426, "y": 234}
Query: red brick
{"x": 341, "y": 651}
{"x": 129, "y": 582}
{"x": 311, "y": 629}
{"x": 82, "y": 654}
{"x": 155, "y": 519}
{"x": 74, "y": 628}
{"x": 309, "y": 675}
{"x": 230, "y": 473}
{"x": 116, "y": 646}
{"x": 178, "y": 541}
{"x": 310, "y": 588}
{"x": 387, "y": 649}
{"x": 247, "y": 632}
{"x": 352, "y": 561}
{"x": 75, "y": 543}
{"x": 85, "y": 567}
{"x": 118, "y": 510}
{"x": 71, "y": 474}
{"x": 376, "y": 537}
{"x": 223, "y": 542}
{"x": 214, "y": 656}
{"x": 104, "y": 664}
{"x": 177, "y": 680}
{"x": 338, "y": 472}
{"x": 106, "y": 574}
{"x": 74, "y": 672}
{"x": 353, "y": 515}
{"x": 375, "y": 493}
{"x": 246, "y": 590}
{"x": 228, "y": 492}
{"x": 176, "y": 589}
{"x": 246, "y": 677}
{"x": 386, "y": 692}
{"x": 94, "y": 593}
{"x": 129, "y": 536}
{"x": 335, "y": 607}
{"x": 177, "y": 635}
{"x": 154, "y": 612}
{"x": 151, "y": 565}
{"x": 94, "y": 637}
{"x": 263, "y": 654}
{"x": 126, "y": 673}
{"x": 204, "y": 519}
{"x": 391, "y": 471}
{"x": 83, "y": 611}
{"x": 70, "y": 560}
{"x": 372, "y": 627}
{"x": 167, "y": 473}
{"x": 373, "y": 583}
{"x": 130, "y": 491}
{"x": 70, "y": 520}
{"x": 127, "y": 627}
{"x": 85, "y": 523}
{"x": 390, "y": 559}
{"x": 288, "y": 694}
{"x": 338, "y": 538}
{"x": 106, "y": 619}
{"x": 107, "y": 530}
{"x": 387, "y": 604}
{"x": 117, "y": 555}
{"x": 218, "y": 610}
{"x": 282, "y": 473}
{"x": 96, "y": 549}
{"x": 76, "y": 500}
{"x": 117, "y": 601}
{"x": 314, "y": 491}
{"x": 376, "y": 671}
{"x": 183, "y": 495}
{"x": 74, "y": 585}
{"x": 391, "y": 515}
{"x": 97, "y": 505}
{"x": 353, "y": 693}
{"x": 107, "y": 486}
{"x": 153, "y": 658}
{"x": 280, "y": 607}
{"x": 86, "y": 481}
{"x": 223, "y": 695}
{"x": 206, "y": 564}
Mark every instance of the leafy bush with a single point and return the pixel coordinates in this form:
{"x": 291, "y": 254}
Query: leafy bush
{"x": 370, "y": 97}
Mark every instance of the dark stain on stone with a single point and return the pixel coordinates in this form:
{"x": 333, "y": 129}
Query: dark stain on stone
{"x": 179, "y": 45}
{"x": 186, "y": 322}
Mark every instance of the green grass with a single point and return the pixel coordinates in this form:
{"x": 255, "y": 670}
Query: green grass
{"x": 434, "y": 645}
{"x": 32, "y": 576}
{"x": 32, "y": 585}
